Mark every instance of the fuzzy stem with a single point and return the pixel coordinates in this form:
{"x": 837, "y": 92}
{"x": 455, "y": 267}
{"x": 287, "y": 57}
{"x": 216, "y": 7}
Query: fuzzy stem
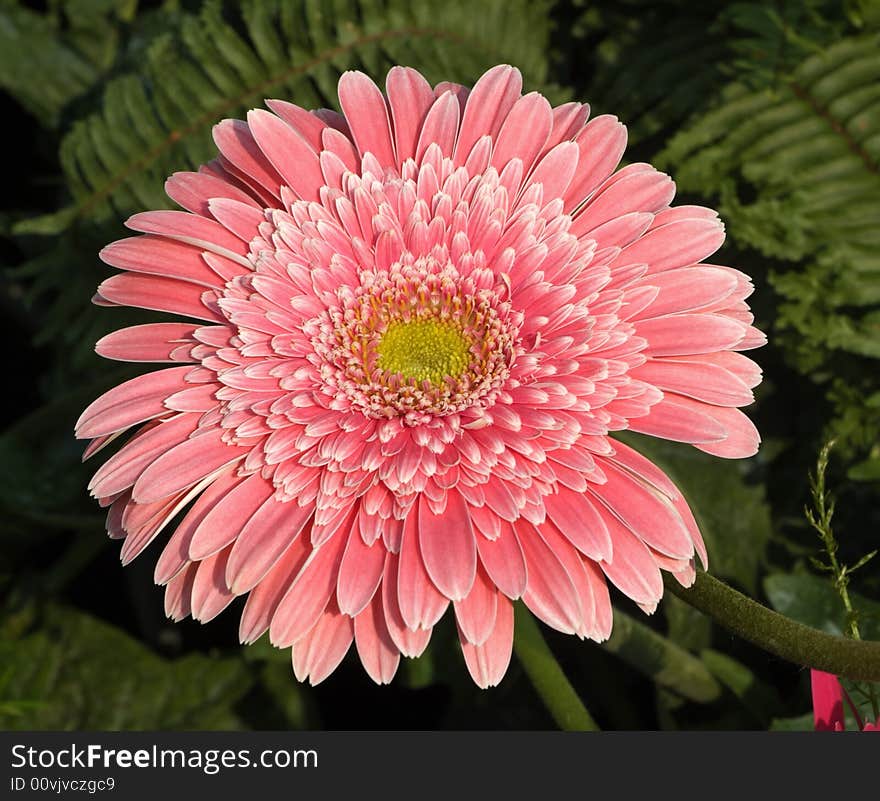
{"x": 855, "y": 659}
{"x": 547, "y": 677}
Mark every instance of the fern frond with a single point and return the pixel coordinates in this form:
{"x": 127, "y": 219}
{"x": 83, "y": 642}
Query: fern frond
{"x": 160, "y": 120}
{"x": 656, "y": 66}
{"x": 797, "y": 172}
{"x": 48, "y": 60}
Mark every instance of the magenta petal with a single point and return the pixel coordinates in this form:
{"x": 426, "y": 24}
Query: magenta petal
{"x": 827, "y": 701}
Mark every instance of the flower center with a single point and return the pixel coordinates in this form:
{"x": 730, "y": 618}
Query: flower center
{"x": 425, "y": 350}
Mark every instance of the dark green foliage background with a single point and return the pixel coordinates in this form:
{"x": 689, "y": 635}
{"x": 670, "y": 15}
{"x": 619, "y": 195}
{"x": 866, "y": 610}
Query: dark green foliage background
{"x": 768, "y": 111}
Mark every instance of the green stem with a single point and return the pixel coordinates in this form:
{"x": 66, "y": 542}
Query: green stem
{"x": 854, "y": 659}
{"x": 547, "y": 677}
{"x": 661, "y": 660}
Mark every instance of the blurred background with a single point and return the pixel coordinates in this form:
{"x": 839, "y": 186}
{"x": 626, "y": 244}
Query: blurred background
{"x": 767, "y": 111}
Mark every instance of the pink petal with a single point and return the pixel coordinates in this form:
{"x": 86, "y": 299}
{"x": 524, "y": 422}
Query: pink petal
{"x": 600, "y": 145}
{"x": 152, "y": 342}
{"x": 577, "y": 518}
{"x": 263, "y": 600}
{"x": 742, "y": 438}
{"x": 603, "y": 614}
{"x": 306, "y": 124}
{"x": 122, "y": 469}
{"x": 524, "y": 132}
{"x": 687, "y": 334}
{"x": 157, "y": 255}
{"x": 132, "y": 402}
{"x": 448, "y": 547}
{"x": 410, "y": 642}
{"x": 238, "y": 218}
{"x": 556, "y": 170}
{"x": 504, "y": 561}
{"x": 193, "y": 230}
{"x": 185, "y": 465}
{"x": 549, "y": 592}
{"x": 488, "y": 662}
{"x": 366, "y": 113}
{"x": 440, "y": 126}
{"x": 475, "y": 613}
{"x": 568, "y": 120}
{"x": 268, "y": 533}
{"x": 359, "y": 574}
{"x": 309, "y": 594}
{"x": 178, "y": 593}
{"x": 410, "y": 97}
{"x": 677, "y": 244}
{"x": 421, "y": 603}
{"x": 631, "y": 569}
{"x": 295, "y": 160}
{"x": 645, "y": 511}
{"x": 682, "y": 420}
{"x": 222, "y": 524}
{"x": 236, "y": 142}
{"x": 157, "y": 294}
{"x": 210, "y": 595}
{"x": 175, "y": 555}
{"x": 698, "y": 380}
{"x": 634, "y": 190}
{"x": 487, "y": 106}
{"x": 321, "y": 650}
{"x": 193, "y": 190}
{"x": 688, "y": 289}
{"x": 378, "y": 653}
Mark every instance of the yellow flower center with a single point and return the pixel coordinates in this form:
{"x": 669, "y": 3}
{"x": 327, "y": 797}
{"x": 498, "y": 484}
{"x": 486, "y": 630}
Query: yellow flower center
{"x": 425, "y": 350}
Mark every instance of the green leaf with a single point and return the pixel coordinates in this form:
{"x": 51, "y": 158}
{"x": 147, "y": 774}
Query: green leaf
{"x": 77, "y": 672}
{"x": 799, "y": 723}
{"x": 42, "y": 478}
{"x": 814, "y": 601}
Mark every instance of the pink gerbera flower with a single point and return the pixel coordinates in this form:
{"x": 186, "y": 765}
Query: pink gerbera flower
{"x": 414, "y": 325}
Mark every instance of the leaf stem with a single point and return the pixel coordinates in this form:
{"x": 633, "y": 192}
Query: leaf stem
{"x": 547, "y": 677}
{"x": 777, "y": 634}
